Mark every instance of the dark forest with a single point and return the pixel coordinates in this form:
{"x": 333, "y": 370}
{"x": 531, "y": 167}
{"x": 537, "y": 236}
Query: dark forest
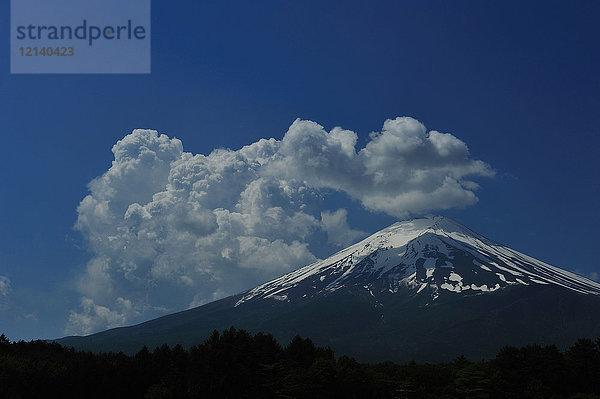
{"x": 236, "y": 364}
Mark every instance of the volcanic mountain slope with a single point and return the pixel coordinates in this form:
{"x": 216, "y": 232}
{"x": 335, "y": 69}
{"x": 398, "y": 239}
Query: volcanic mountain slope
{"x": 431, "y": 254}
{"x": 426, "y": 289}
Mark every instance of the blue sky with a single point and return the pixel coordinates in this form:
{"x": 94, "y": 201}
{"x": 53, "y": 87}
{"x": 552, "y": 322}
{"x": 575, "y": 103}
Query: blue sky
{"x": 517, "y": 82}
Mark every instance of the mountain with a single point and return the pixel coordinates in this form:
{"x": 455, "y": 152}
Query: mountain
{"x": 427, "y": 289}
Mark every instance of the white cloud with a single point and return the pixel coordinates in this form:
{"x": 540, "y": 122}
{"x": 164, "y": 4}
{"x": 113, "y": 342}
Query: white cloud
{"x": 94, "y": 317}
{"x": 4, "y": 286}
{"x": 401, "y": 171}
{"x": 170, "y": 229}
{"x": 337, "y": 228}
{"x": 5, "y": 290}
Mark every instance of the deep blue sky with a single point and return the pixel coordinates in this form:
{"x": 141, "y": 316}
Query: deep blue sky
{"x": 518, "y": 82}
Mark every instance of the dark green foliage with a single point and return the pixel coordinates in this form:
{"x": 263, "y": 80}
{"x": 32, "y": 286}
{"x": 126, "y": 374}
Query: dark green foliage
{"x": 236, "y": 364}
{"x": 584, "y": 362}
{"x": 535, "y": 369}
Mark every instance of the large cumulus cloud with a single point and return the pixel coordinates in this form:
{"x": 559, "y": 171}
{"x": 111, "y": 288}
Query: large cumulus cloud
{"x": 170, "y": 229}
{"x": 402, "y": 170}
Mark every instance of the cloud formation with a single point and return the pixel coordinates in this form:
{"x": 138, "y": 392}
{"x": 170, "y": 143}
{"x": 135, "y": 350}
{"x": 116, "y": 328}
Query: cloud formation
{"x": 170, "y": 229}
{"x": 337, "y": 228}
{"x": 5, "y": 290}
{"x": 401, "y": 171}
{"x": 97, "y": 317}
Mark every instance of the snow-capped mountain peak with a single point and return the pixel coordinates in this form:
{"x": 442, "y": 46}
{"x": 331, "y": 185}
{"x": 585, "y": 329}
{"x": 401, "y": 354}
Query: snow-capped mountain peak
{"x": 425, "y": 256}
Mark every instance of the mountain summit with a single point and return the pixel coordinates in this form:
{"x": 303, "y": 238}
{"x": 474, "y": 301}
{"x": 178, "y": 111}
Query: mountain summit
{"x": 427, "y": 289}
{"x": 429, "y": 255}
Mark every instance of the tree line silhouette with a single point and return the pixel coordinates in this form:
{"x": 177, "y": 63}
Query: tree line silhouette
{"x": 236, "y": 364}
